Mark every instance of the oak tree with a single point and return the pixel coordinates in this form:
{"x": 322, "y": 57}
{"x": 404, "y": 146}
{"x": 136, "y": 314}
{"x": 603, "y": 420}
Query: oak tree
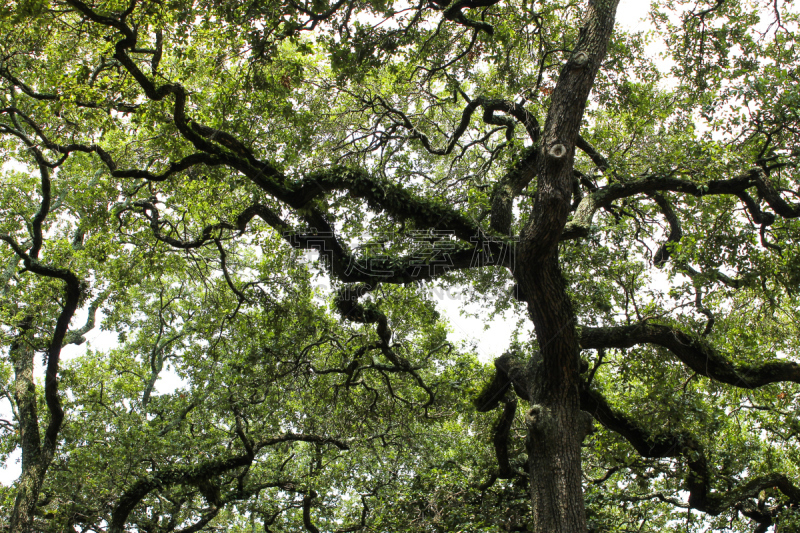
{"x": 165, "y": 160}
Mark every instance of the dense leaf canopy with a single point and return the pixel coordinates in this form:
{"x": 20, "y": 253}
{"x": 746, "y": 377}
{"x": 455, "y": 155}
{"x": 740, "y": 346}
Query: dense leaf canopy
{"x": 256, "y": 199}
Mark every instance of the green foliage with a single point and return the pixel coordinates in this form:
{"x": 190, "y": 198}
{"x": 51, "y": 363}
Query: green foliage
{"x": 220, "y": 343}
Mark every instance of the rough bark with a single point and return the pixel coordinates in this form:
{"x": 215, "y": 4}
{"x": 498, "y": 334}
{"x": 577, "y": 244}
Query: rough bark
{"x": 556, "y": 425}
{"x": 33, "y": 467}
{"x": 37, "y": 450}
{"x": 554, "y": 422}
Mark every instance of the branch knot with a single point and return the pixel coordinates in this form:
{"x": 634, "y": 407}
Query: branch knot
{"x": 557, "y": 151}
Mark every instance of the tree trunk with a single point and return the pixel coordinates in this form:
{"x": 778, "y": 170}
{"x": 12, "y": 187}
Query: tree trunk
{"x": 556, "y": 424}
{"x": 33, "y": 464}
{"x": 555, "y": 468}
{"x": 28, "y": 486}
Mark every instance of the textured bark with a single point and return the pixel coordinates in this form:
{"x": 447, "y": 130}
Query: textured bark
{"x": 38, "y": 451}
{"x": 555, "y": 422}
{"x": 33, "y": 467}
{"x": 556, "y": 425}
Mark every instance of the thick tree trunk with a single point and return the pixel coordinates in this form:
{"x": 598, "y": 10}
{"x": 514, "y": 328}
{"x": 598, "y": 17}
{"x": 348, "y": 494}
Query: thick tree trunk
{"x": 33, "y": 464}
{"x": 555, "y": 421}
{"x": 555, "y": 468}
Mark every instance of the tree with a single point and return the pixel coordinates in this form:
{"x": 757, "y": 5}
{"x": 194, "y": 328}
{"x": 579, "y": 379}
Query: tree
{"x": 524, "y": 150}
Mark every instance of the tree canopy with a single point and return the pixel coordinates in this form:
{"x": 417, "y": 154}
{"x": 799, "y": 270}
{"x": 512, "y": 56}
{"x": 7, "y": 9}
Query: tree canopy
{"x": 167, "y": 166}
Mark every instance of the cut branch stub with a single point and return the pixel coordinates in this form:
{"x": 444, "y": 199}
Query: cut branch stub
{"x": 557, "y": 151}
{"x": 580, "y": 60}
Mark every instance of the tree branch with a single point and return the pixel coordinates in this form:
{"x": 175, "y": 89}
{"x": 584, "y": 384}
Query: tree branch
{"x": 200, "y": 473}
{"x": 694, "y": 352}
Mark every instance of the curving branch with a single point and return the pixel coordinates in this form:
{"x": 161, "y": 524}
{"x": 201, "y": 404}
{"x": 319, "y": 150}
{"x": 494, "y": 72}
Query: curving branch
{"x": 509, "y": 187}
{"x": 694, "y": 352}
{"x": 6, "y": 74}
{"x": 771, "y": 194}
{"x": 383, "y": 196}
{"x": 73, "y": 292}
{"x": 489, "y": 105}
{"x": 45, "y": 203}
{"x": 655, "y": 496}
{"x": 404, "y": 121}
{"x": 675, "y": 233}
{"x": 223, "y": 263}
{"x": 428, "y": 262}
{"x": 203, "y": 474}
{"x": 698, "y": 480}
{"x": 510, "y": 371}
{"x": 455, "y": 13}
{"x": 76, "y": 336}
{"x": 716, "y": 275}
{"x": 351, "y": 309}
{"x": 759, "y": 216}
{"x": 208, "y": 235}
{"x": 580, "y": 225}
{"x": 596, "y": 157}
{"x": 645, "y": 443}
{"x": 527, "y": 119}
{"x": 174, "y": 167}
